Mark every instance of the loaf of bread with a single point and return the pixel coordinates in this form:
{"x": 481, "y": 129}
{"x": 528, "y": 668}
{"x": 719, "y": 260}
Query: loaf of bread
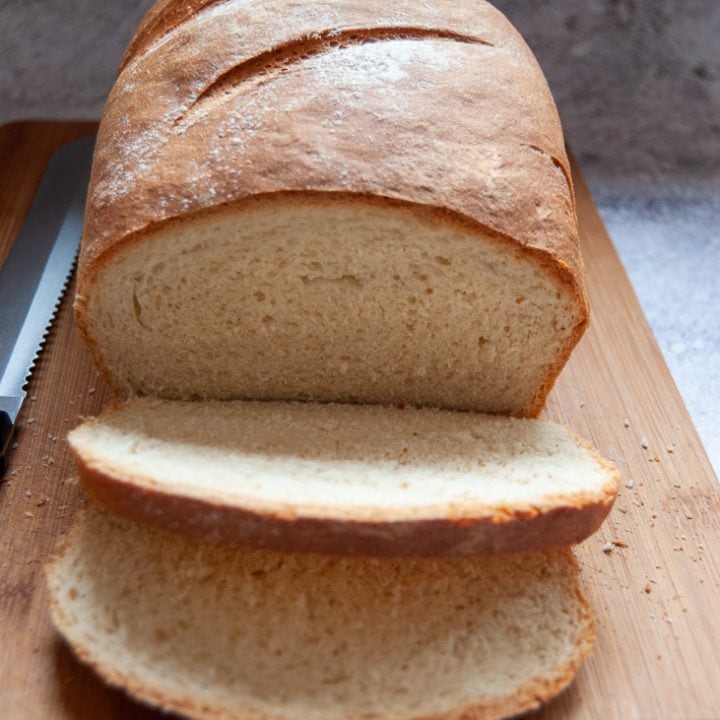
{"x": 345, "y": 478}
{"x": 338, "y": 201}
{"x": 365, "y": 206}
{"x": 233, "y": 634}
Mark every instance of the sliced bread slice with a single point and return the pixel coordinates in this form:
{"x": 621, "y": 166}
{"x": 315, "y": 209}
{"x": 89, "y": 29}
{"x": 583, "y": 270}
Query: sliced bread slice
{"x": 216, "y": 632}
{"x": 345, "y": 478}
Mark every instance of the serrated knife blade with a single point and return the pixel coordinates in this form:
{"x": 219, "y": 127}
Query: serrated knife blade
{"x": 35, "y": 274}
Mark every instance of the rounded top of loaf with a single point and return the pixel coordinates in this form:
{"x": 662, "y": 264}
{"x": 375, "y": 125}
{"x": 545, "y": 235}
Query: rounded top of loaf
{"x": 440, "y": 105}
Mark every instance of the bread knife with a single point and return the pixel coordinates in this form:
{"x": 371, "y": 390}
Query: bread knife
{"x": 35, "y": 274}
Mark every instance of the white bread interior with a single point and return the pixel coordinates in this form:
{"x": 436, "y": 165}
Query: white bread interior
{"x": 343, "y": 300}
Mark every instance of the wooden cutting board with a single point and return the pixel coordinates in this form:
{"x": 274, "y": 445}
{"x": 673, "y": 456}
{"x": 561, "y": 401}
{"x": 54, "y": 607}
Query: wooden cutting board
{"x": 652, "y": 573}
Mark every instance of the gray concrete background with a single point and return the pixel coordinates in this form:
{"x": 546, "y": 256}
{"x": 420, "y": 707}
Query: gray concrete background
{"x": 638, "y": 87}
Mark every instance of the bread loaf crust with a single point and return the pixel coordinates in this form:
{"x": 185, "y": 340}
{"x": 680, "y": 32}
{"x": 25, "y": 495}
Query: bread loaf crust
{"x": 220, "y": 104}
{"x": 444, "y": 536}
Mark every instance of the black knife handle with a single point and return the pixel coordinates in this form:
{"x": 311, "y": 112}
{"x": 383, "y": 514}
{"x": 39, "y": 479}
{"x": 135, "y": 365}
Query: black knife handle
{"x": 9, "y": 410}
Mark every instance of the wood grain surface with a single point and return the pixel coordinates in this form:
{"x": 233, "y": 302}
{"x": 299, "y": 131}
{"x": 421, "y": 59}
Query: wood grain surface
{"x": 652, "y": 573}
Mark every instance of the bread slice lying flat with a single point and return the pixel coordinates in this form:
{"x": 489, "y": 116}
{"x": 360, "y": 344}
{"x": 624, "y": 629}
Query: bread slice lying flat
{"x": 215, "y": 632}
{"x": 345, "y": 478}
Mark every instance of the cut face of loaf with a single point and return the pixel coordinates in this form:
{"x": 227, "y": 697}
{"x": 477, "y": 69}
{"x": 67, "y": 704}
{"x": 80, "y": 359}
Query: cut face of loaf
{"x": 332, "y": 202}
{"x": 331, "y": 300}
{"x": 218, "y": 633}
{"x": 345, "y": 478}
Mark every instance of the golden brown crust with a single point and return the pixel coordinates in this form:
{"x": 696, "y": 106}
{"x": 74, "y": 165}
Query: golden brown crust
{"x": 163, "y": 17}
{"x": 220, "y": 102}
{"x": 465, "y": 531}
{"x": 530, "y": 696}
{"x": 439, "y": 147}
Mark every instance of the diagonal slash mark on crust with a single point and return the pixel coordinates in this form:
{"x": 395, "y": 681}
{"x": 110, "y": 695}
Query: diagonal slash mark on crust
{"x": 559, "y": 165}
{"x": 165, "y": 21}
{"x": 308, "y": 46}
